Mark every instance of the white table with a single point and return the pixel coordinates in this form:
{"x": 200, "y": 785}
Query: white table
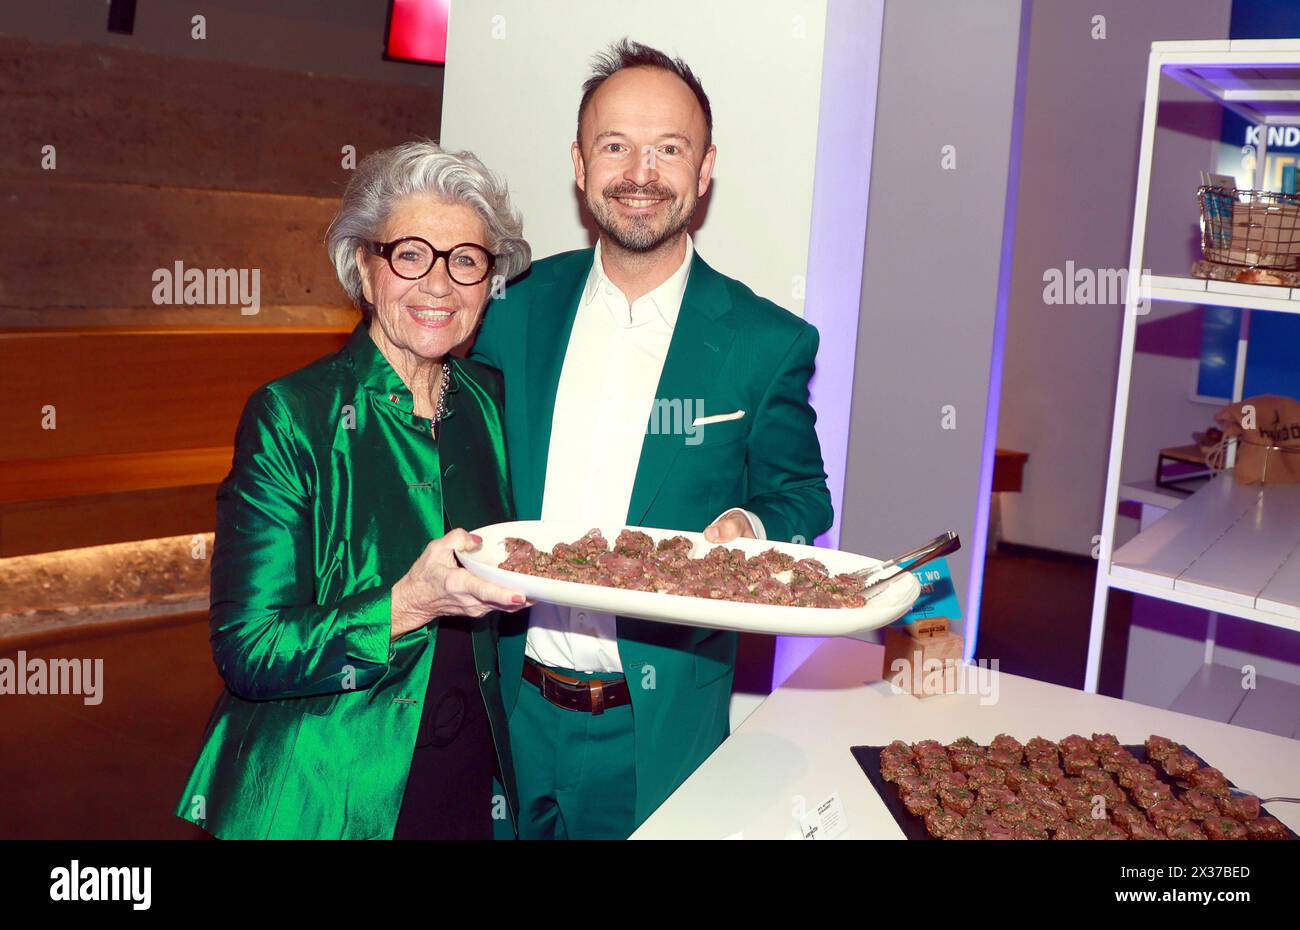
{"x": 793, "y": 751}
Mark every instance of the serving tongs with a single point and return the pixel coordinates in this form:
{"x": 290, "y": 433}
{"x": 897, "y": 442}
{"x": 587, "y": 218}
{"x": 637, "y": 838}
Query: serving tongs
{"x": 878, "y": 575}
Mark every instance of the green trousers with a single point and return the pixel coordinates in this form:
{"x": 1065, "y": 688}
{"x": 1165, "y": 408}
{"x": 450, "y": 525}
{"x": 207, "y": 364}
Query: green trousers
{"x": 576, "y": 771}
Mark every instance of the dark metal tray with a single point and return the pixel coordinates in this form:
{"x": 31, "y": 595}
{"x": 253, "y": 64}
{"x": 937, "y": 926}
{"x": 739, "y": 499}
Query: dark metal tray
{"x": 913, "y": 827}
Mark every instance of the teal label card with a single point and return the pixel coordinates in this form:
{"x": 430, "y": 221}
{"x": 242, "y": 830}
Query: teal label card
{"x": 938, "y": 598}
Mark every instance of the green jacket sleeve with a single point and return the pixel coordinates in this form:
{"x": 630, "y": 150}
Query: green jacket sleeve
{"x": 270, "y": 639}
{"x": 787, "y": 480}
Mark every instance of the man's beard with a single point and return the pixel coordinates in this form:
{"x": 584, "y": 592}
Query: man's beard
{"x": 636, "y": 234}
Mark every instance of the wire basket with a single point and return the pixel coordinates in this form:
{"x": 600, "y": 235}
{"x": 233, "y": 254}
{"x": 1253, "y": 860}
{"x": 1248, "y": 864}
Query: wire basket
{"x": 1250, "y": 229}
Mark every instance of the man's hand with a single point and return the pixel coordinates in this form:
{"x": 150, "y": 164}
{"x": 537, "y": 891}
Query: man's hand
{"x": 731, "y": 525}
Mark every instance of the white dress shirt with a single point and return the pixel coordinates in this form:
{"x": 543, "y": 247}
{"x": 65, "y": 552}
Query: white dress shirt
{"x": 603, "y": 403}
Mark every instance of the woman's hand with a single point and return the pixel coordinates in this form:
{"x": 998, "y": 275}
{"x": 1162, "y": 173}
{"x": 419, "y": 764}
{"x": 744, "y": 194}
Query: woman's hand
{"x": 436, "y": 586}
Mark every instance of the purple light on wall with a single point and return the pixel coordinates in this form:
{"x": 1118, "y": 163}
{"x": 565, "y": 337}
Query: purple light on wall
{"x": 846, "y": 126}
{"x": 979, "y": 545}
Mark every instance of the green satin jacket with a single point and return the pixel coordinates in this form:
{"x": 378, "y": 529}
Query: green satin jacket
{"x": 335, "y": 489}
{"x": 730, "y": 350}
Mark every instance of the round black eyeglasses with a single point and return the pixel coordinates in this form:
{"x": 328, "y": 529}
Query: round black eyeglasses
{"x": 412, "y": 258}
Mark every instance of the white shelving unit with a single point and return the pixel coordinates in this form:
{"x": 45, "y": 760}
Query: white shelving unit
{"x": 1150, "y": 494}
{"x": 1228, "y": 548}
{"x": 1221, "y": 293}
{"x": 1225, "y": 549}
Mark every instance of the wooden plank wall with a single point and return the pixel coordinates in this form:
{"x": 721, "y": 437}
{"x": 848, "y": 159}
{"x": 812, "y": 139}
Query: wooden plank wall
{"x": 159, "y": 160}
{"x": 160, "y": 121}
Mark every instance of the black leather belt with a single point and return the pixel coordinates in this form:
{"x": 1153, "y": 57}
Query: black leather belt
{"x": 592, "y": 696}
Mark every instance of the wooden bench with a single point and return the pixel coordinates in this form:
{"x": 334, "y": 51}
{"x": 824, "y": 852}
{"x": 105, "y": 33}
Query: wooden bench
{"x": 144, "y": 423}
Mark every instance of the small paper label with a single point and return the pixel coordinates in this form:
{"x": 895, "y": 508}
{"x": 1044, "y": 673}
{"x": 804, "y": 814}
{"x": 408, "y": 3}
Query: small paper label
{"x": 826, "y": 822}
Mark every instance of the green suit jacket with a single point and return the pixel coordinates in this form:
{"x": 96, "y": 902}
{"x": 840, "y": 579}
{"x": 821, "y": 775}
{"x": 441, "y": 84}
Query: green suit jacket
{"x": 335, "y": 489}
{"x": 730, "y": 350}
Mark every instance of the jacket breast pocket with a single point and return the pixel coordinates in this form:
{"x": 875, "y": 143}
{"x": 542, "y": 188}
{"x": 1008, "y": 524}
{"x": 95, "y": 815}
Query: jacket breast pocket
{"x": 713, "y": 460}
{"x": 710, "y": 435}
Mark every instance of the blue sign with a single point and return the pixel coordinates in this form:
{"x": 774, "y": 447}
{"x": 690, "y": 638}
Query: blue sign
{"x": 938, "y": 598}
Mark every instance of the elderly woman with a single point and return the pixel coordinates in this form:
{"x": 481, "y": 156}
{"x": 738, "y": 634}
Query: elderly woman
{"x": 362, "y": 696}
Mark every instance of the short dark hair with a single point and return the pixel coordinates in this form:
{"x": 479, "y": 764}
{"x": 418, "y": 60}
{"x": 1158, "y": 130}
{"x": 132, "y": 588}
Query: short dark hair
{"x": 628, "y": 54}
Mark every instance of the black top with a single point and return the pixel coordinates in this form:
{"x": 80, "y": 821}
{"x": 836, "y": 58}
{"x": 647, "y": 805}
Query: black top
{"x": 449, "y": 790}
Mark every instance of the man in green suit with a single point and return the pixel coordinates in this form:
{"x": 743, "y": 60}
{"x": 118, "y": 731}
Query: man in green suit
{"x": 642, "y": 387}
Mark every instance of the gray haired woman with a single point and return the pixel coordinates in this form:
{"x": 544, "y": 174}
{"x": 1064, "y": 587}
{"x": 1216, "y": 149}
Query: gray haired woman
{"x": 362, "y": 696}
